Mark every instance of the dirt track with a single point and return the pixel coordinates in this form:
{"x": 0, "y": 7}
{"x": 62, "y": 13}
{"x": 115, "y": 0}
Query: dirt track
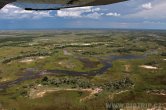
{"x": 42, "y": 91}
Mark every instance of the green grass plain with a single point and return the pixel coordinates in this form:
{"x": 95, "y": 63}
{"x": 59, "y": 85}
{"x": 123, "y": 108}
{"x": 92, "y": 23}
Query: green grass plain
{"x": 62, "y": 50}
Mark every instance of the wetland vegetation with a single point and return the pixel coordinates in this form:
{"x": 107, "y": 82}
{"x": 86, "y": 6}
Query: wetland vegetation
{"x": 81, "y": 69}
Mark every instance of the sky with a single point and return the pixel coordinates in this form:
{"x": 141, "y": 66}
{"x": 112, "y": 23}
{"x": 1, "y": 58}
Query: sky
{"x": 132, "y": 14}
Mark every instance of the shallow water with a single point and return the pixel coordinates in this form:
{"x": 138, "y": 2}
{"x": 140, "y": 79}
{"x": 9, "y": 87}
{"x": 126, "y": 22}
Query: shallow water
{"x": 29, "y": 74}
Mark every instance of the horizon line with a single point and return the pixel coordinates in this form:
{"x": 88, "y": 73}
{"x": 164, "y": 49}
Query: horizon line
{"x": 36, "y": 29}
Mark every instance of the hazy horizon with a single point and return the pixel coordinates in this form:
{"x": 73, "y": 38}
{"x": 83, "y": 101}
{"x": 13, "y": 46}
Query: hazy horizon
{"x": 70, "y": 29}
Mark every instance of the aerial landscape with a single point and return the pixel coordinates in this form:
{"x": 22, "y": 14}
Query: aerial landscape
{"x": 81, "y": 69}
{"x": 82, "y": 55}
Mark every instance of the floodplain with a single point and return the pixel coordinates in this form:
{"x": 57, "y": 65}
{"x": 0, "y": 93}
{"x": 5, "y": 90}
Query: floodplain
{"x": 81, "y": 69}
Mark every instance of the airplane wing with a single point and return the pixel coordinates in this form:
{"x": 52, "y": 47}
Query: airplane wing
{"x": 2, "y": 5}
{"x": 4, "y": 2}
{"x": 55, "y": 4}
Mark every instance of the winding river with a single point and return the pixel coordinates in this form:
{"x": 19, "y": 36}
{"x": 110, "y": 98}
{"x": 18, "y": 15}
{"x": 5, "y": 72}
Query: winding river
{"x": 29, "y": 74}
